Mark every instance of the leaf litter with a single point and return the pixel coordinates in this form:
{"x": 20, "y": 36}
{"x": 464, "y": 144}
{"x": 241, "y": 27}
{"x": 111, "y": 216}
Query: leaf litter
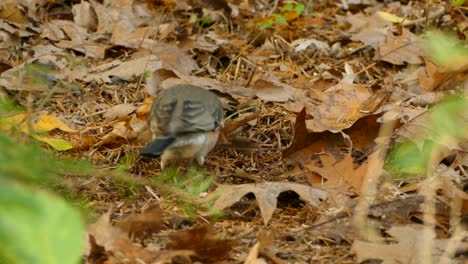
{"x": 82, "y": 74}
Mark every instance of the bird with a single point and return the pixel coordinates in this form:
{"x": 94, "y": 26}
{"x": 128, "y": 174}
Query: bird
{"x": 185, "y": 121}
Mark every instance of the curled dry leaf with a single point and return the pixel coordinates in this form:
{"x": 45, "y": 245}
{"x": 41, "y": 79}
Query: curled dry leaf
{"x": 266, "y": 195}
{"x": 306, "y": 144}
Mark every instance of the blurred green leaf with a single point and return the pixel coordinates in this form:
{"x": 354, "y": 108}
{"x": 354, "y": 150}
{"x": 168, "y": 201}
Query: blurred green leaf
{"x": 36, "y": 227}
{"x": 447, "y": 50}
{"x": 279, "y": 18}
{"x": 459, "y": 2}
{"x": 447, "y": 125}
{"x": 287, "y": 8}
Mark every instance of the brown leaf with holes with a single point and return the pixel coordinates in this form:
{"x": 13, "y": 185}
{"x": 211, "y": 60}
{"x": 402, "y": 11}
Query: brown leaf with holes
{"x": 266, "y": 195}
{"x": 202, "y": 241}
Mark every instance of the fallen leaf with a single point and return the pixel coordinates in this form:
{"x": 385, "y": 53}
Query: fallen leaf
{"x": 202, "y": 241}
{"x": 408, "y": 249}
{"x": 397, "y": 50}
{"x": 84, "y": 16}
{"x": 56, "y": 143}
{"x": 342, "y": 106}
{"x": 266, "y": 195}
{"x": 125, "y": 70}
{"x": 307, "y": 144}
{"x": 391, "y": 17}
{"x": 144, "y": 225}
{"x": 344, "y": 175}
{"x": 48, "y": 123}
{"x": 118, "y": 111}
{"x": 431, "y": 77}
{"x": 10, "y": 12}
{"x": 271, "y": 92}
{"x": 109, "y": 241}
{"x": 443, "y": 185}
{"x": 371, "y": 30}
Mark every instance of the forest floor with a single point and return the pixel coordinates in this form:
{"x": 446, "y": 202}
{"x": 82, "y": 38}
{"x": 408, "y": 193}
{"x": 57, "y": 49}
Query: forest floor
{"x": 338, "y": 127}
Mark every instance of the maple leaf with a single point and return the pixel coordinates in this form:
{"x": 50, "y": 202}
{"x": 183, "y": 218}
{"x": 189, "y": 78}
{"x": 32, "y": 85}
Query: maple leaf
{"x": 340, "y": 175}
{"x": 266, "y": 195}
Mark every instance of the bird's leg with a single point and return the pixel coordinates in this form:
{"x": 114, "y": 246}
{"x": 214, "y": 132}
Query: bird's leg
{"x": 200, "y": 160}
{"x": 164, "y": 160}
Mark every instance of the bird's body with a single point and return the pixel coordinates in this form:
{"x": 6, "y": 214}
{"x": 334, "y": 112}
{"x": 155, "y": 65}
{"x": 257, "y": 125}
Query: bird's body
{"x": 185, "y": 120}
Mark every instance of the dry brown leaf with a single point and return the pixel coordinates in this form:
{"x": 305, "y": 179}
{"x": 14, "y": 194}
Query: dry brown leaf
{"x": 343, "y": 175}
{"x": 397, "y": 50}
{"x": 445, "y": 185}
{"x": 418, "y": 130}
{"x": 118, "y": 111}
{"x": 91, "y": 49}
{"x": 266, "y": 195}
{"x": 144, "y": 225}
{"x": 271, "y": 92}
{"x": 306, "y": 144}
{"x": 236, "y": 91}
{"x": 84, "y": 16}
{"x": 110, "y": 242}
{"x": 432, "y": 78}
{"x": 253, "y": 256}
{"x": 407, "y": 250}
{"x": 202, "y": 241}
{"x": 124, "y": 70}
{"x": 10, "y": 12}
{"x": 343, "y": 106}
{"x": 371, "y": 30}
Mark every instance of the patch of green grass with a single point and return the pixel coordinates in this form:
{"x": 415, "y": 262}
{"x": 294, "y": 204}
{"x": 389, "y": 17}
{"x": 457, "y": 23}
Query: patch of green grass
{"x": 187, "y": 187}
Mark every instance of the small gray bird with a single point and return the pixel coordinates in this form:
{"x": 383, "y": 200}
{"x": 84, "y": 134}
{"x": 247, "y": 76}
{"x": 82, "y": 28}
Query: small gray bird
{"x": 185, "y": 120}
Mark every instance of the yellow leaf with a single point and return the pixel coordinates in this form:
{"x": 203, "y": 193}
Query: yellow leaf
{"x": 392, "y": 18}
{"x": 8, "y": 123}
{"x": 48, "y": 123}
{"x": 56, "y": 143}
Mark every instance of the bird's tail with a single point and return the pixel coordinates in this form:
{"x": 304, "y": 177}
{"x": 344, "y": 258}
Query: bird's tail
{"x": 156, "y": 147}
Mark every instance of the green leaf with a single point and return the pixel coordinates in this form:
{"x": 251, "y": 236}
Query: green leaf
{"x": 459, "y": 2}
{"x": 205, "y": 22}
{"x": 287, "y": 8}
{"x": 56, "y": 143}
{"x": 281, "y": 19}
{"x": 300, "y": 8}
{"x": 447, "y": 125}
{"x": 265, "y": 24}
{"x": 447, "y": 50}
{"x": 36, "y": 227}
